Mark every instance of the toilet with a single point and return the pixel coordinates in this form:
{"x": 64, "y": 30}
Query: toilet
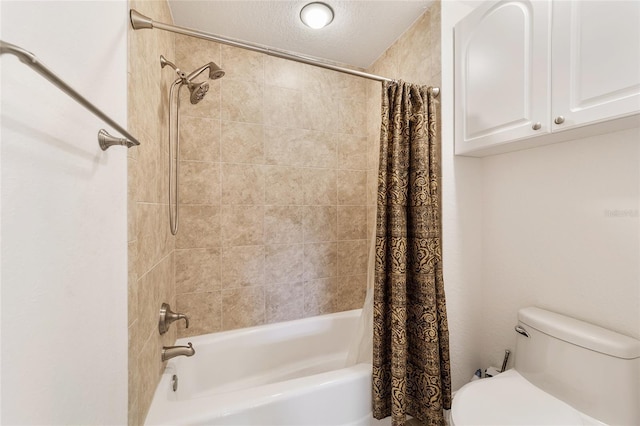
{"x": 567, "y": 372}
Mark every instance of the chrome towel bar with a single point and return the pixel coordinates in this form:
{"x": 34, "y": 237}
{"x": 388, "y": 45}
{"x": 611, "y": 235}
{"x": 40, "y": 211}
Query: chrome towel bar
{"x": 105, "y": 140}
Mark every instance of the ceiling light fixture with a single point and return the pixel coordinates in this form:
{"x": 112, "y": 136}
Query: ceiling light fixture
{"x": 316, "y": 15}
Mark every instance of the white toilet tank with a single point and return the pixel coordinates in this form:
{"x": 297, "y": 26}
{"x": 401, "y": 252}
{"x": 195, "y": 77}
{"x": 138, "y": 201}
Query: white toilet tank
{"x": 595, "y": 370}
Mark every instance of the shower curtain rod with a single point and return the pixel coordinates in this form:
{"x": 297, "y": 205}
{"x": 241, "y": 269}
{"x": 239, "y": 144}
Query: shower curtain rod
{"x": 105, "y": 140}
{"x": 140, "y": 21}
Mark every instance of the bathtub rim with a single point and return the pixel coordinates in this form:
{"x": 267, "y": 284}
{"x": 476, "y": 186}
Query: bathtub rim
{"x": 246, "y": 331}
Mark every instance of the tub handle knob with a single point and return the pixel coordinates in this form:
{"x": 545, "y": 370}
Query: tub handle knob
{"x": 167, "y": 316}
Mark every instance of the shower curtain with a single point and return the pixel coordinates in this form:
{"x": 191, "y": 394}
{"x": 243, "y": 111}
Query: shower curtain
{"x": 411, "y": 368}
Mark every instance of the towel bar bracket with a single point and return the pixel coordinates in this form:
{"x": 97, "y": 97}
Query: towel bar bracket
{"x": 105, "y": 140}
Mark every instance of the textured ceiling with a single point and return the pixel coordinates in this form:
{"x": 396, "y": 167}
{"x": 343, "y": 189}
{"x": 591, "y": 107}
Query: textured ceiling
{"x": 360, "y": 32}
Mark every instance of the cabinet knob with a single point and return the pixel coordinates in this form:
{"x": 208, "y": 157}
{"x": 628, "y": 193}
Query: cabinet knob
{"x": 537, "y": 126}
{"x": 559, "y": 120}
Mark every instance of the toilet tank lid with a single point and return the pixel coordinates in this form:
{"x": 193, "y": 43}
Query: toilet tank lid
{"x": 580, "y": 333}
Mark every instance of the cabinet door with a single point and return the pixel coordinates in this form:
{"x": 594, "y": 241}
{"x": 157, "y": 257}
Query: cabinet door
{"x": 502, "y": 74}
{"x": 595, "y": 61}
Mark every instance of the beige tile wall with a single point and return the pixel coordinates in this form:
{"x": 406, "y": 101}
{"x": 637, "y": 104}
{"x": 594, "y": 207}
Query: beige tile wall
{"x": 151, "y": 246}
{"x": 273, "y": 190}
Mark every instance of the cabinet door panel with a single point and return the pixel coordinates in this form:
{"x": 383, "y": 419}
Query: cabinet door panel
{"x": 595, "y": 61}
{"x": 502, "y": 74}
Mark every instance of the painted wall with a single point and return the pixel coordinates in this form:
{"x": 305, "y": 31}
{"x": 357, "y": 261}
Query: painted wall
{"x": 64, "y": 251}
{"x": 561, "y": 231}
{"x": 559, "y": 228}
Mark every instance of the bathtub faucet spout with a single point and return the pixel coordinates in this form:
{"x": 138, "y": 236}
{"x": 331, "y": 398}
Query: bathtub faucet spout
{"x": 169, "y": 352}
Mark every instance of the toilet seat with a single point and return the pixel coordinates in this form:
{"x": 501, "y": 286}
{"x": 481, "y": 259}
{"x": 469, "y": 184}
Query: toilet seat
{"x": 510, "y": 399}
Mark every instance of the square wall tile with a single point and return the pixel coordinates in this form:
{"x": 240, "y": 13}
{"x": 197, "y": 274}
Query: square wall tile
{"x": 320, "y": 187}
{"x": 283, "y": 146}
{"x": 204, "y": 311}
{"x": 242, "y": 101}
{"x": 352, "y": 222}
{"x": 284, "y": 108}
{"x": 352, "y": 257}
{"x": 199, "y": 139}
{"x": 319, "y": 149}
{"x": 151, "y": 165}
{"x": 199, "y": 226}
{"x": 283, "y": 224}
{"x": 242, "y": 64}
{"x": 242, "y": 142}
{"x": 320, "y": 260}
{"x": 197, "y": 270}
{"x": 199, "y": 183}
{"x": 242, "y": 184}
{"x": 372, "y": 188}
{"x": 284, "y": 302}
{"x": 352, "y": 152}
{"x": 320, "y": 223}
{"x": 153, "y": 239}
{"x": 284, "y": 185}
{"x": 321, "y": 112}
{"x": 243, "y": 307}
{"x": 350, "y": 292}
{"x": 352, "y": 187}
{"x": 132, "y": 282}
{"x": 244, "y": 266}
{"x": 319, "y": 296}
{"x": 284, "y": 263}
{"x": 285, "y": 74}
{"x": 242, "y": 225}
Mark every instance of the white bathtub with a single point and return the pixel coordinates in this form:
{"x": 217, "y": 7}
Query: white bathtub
{"x": 290, "y": 373}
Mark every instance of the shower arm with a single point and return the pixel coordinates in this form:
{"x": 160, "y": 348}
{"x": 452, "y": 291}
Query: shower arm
{"x": 105, "y": 139}
{"x": 164, "y": 62}
{"x": 197, "y": 72}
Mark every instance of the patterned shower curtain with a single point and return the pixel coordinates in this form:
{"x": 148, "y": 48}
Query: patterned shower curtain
{"x": 411, "y": 368}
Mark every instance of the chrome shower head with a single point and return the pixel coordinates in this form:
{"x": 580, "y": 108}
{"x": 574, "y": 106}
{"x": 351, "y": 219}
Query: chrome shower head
{"x": 215, "y": 72}
{"x": 198, "y": 90}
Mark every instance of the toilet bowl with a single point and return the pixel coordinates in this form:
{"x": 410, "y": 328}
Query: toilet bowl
{"x": 567, "y": 372}
{"x": 510, "y": 399}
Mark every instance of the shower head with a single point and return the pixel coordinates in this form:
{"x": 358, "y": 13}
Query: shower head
{"x": 198, "y": 90}
{"x": 215, "y": 72}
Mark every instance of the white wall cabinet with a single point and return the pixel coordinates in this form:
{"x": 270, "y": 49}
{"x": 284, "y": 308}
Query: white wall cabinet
{"x": 529, "y": 73}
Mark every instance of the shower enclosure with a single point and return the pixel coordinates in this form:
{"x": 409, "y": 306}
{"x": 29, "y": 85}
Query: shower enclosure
{"x": 277, "y": 193}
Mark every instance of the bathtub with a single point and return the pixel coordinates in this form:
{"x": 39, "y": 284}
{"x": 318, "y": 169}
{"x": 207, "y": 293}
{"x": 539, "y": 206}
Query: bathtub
{"x": 290, "y": 373}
